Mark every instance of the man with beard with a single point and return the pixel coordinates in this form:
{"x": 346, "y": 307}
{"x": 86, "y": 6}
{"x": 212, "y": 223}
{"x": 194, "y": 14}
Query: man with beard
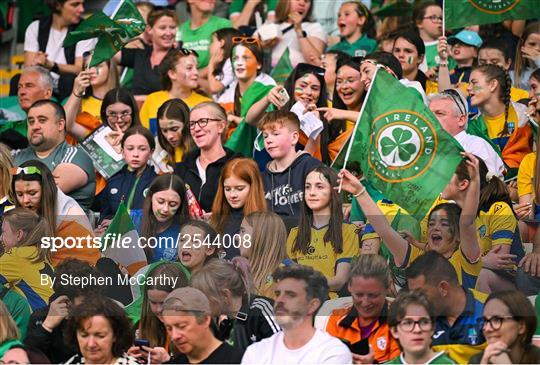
{"x": 72, "y": 168}
{"x": 187, "y": 318}
{"x": 300, "y": 291}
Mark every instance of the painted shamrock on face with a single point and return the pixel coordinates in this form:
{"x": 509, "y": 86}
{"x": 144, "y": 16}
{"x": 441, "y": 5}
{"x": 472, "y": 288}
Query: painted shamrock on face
{"x": 398, "y": 146}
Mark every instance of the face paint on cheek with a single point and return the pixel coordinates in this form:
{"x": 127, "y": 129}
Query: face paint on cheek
{"x": 410, "y": 60}
{"x": 174, "y": 210}
{"x": 477, "y": 89}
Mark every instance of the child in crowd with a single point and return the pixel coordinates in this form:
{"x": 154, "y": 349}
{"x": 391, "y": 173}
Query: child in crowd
{"x": 192, "y": 254}
{"x": 161, "y": 278}
{"x": 220, "y": 71}
{"x": 527, "y": 55}
{"x": 24, "y": 262}
{"x": 165, "y": 208}
{"x": 356, "y": 28}
{"x": 284, "y": 175}
{"x": 179, "y": 79}
{"x": 128, "y": 184}
{"x": 502, "y": 123}
{"x": 240, "y": 192}
{"x": 412, "y": 321}
{"x": 321, "y": 239}
{"x": 267, "y": 249}
{"x": 428, "y": 20}
{"x": 174, "y": 139}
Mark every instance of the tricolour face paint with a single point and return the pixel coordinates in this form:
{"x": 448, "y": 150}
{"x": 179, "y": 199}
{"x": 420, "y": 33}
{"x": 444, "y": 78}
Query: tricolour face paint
{"x": 244, "y": 63}
{"x": 410, "y": 60}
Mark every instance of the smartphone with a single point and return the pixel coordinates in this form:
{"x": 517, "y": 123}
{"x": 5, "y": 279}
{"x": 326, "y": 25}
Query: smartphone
{"x": 284, "y": 95}
{"x": 142, "y": 342}
{"x": 87, "y": 56}
{"x": 360, "y": 348}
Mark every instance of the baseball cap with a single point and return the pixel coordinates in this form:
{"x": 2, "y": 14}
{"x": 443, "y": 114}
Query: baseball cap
{"x": 468, "y": 37}
{"x": 187, "y": 299}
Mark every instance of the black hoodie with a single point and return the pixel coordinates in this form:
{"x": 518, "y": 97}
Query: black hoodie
{"x": 284, "y": 190}
{"x": 187, "y": 170}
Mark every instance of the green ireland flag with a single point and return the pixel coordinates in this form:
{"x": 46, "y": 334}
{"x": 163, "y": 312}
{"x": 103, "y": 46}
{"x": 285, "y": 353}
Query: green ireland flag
{"x": 461, "y": 13}
{"x": 113, "y": 33}
{"x": 401, "y": 147}
{"x": 243, "y": 137}
{"x": 123, "y": 245}
{"x": 283, "y": 68}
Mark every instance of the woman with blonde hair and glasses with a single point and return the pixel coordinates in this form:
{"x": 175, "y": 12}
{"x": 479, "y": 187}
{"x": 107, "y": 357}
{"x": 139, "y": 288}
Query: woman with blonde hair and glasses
{"x": 202, "y": 166}
{"x": 267, "y": 250}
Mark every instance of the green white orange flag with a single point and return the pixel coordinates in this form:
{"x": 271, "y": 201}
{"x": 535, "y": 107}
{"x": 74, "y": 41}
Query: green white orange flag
{"x": 113, "y": 33}
{"x": 124, "y": 247}
{"x": 461, "y": 13}
{"x": 283, "y": 68}
{"x": 400, "y": 146}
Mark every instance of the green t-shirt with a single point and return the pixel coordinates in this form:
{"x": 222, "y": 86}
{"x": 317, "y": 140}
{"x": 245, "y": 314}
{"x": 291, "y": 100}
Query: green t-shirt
{"x": 439, "y": 358}
{"x": 199, "y": 39}
{"x": 238, "y": 5}
{"x": 18, "y": 308}
{"x": 363, "y": 46}
{"x": 65, "y": 153}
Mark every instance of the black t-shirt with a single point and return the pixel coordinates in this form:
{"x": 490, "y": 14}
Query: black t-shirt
{"x": 224, "y": 354}
{"x": 146, "y": 79}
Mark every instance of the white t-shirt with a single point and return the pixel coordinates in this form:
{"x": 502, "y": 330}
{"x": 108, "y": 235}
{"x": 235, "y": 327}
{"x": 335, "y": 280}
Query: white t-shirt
{"x": 321, "y": 349}
{"x": 481, "y": 148}
{"x": 54, "y": 49}
{"x": 227, "y": 78}
{"x": 291, "y": 41}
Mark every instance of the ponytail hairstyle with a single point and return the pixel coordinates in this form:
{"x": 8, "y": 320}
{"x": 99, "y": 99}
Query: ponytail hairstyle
{"x": 49, "y": 190}
{"x": 226, "y": 35}
{"x": 34, "y": 228}
{"x": 175, "y": 109}
{"x": 369, "y": 26}
{"x": 334, "y": 234}
{"x": 492, "y": 189}
{"x": 217, "y": 275}
{"x": 494, "y": 72}
{"x": 522, "y": 63}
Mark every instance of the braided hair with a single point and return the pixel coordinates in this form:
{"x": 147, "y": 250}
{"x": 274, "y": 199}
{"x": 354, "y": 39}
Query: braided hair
{"x": 494, "y": 72}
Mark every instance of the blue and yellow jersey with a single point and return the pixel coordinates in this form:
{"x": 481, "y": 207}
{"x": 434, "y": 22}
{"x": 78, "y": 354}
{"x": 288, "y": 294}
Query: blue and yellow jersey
{"x": 30, "y": 279}
{"x": 464, "y": 338}
{"x": 467, "y": 272}
{"x": 321, "y": 255}
{"x": 498, "y": 226}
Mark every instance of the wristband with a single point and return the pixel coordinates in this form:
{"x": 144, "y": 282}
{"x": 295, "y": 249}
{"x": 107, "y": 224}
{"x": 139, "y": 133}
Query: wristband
{"x": 362, "y": 191}
{"x": 304, "y": 34}
{"x": 55, "y": 68}
{"x": 50, "y": 330}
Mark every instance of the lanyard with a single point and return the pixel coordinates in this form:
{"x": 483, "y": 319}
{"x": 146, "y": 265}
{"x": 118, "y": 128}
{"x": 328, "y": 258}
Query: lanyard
{"x": 132, "y": 193}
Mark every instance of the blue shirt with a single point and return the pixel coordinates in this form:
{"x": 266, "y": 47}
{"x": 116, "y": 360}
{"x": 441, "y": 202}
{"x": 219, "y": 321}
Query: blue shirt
{"x": 167, "y": 249}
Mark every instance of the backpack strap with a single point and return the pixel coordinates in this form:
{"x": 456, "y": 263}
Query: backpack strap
{"x": 44, "y": 29}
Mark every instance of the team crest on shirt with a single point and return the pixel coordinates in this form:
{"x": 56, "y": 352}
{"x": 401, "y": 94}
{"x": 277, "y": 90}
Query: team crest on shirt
{"x": 381, "y": 343}
{"x": 114, "y": 191}
{"x": 482, "y": 231}
{"x": 494, "y": 6}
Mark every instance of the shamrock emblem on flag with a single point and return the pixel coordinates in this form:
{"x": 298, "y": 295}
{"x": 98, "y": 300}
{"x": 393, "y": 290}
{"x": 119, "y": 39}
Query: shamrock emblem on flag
{"x": 399, "y": 146}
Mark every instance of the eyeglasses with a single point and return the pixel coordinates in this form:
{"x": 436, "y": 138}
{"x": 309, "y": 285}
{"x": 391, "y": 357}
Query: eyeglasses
{"x": 407, "y": 325}
{"x": 248, "y": 40}
{"x": 113, "y": 116}
{"x": 456, "y": 97}
{"x": 203, "y": 122}
{"x": 434, "y": 18}
{"x": 495, "y": 322}
{"x": 29, "y": 170}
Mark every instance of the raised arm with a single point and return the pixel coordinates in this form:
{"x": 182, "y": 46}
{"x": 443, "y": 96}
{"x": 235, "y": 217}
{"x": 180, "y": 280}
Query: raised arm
{"x": 467, "y": 227}
{"x": 397, "y": 245}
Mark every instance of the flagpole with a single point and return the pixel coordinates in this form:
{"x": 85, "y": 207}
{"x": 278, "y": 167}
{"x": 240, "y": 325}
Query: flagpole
{"x": 351, "y": 138}
{"x": 443, "y": 19}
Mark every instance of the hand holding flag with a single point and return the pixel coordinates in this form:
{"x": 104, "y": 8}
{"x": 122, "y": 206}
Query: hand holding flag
{"x": 113, "y": 33}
